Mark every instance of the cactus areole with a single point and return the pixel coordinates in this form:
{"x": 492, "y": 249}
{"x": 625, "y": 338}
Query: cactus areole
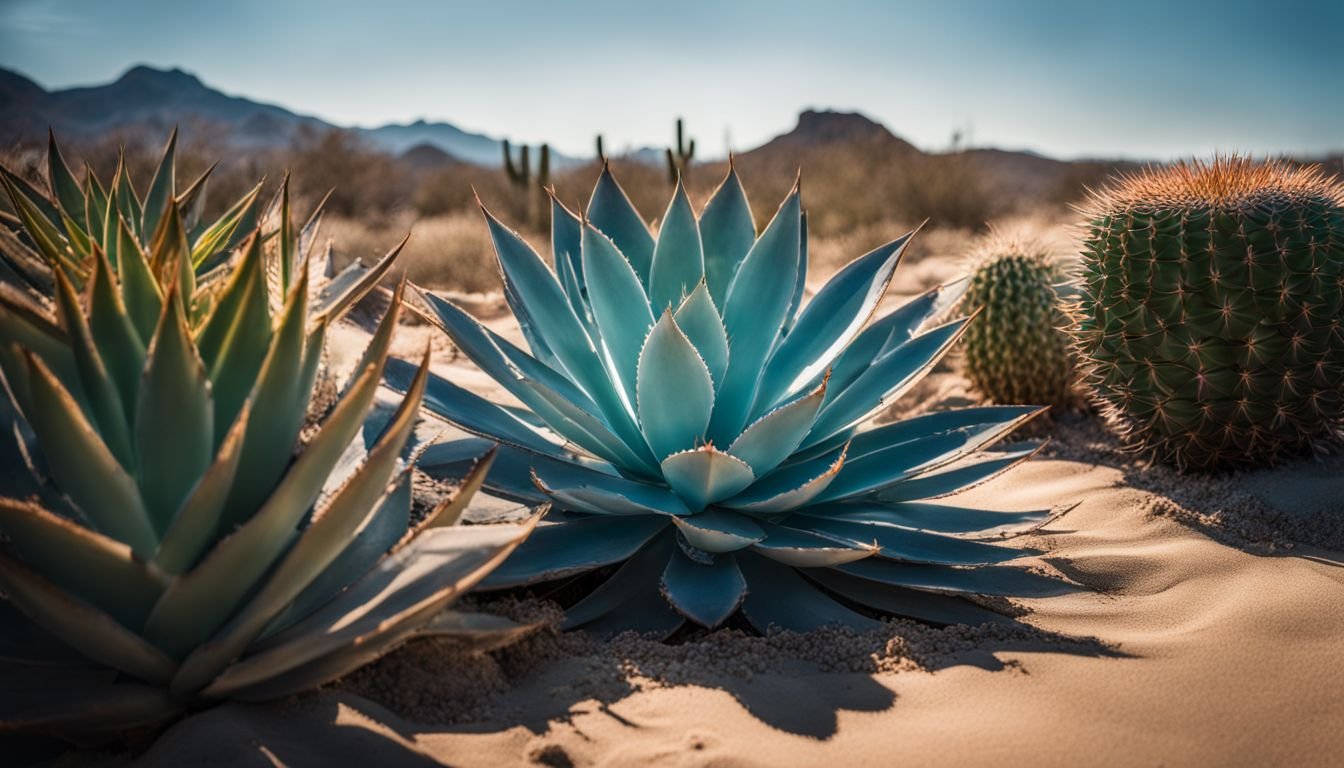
{"x": 1213, "y": 310}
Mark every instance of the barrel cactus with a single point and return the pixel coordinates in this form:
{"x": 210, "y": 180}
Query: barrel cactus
{"x": 694, "y": 422}
{"x": 1018, "y": 350}
{"x": 1212, "y": 320}
{"x": 176, "y": 525}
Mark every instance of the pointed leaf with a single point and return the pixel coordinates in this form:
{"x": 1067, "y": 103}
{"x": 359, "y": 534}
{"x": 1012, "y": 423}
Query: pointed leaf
{"x": 791, "y": 486}
{"x": 114, "y": 334}
{"x": 162, "y": 188}
{"x": 925, "y": 516}
{"x": 615, "y": 216}
{"x": 706, "y": 593}
{"x": 65, "y": 188}
{"x": 719, "y": 530}
{"x": 629, "y": 601}
{"x": 140, "y": 290}
{"x": 989, "y": 580}
{"x": 778, "y": 597}
{"x": 952, "y": 480}
{"x": 700, "y": 321}
{"x": 803, "y": 549}
{"x": 678, "y": 256}
{"x": 196, "y": 524}
{"x": 905, "y": 545}
{"x": 908, "y": 603}
{"x": 704, "y": 475}
{"x": 556, "y": 550}
{"x": 99, "y": 390}
{"x": 586, "y": 490}
{"x": 620, "y": 308}
{"x": 771, "y": 439}
{"x": 675, "y": 392}
{"x": 754, "y": 312}
{"x": 727, "y": 232}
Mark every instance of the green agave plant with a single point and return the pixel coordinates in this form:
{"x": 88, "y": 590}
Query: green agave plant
{"x": 690, "y": 418}
{"x": 175, "y": 526}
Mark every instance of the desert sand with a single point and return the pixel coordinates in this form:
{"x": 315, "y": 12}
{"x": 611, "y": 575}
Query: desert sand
{"x": 1211, "y": 633}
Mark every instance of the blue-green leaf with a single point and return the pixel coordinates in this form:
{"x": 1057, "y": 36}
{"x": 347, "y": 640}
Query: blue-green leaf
{"x": 615, "y": 216}
{"x": 754, "y": 312}
{"x": 989, "y": 580}
{"x": 727, "y": 233}
{"x": 929, "y": 516}
{"x": 772, "y": 438}
{"x": 719, "y": 530}
{"x": 700, "y": 321}
{"x": 706, "y": 593}
{"x": 675, "y": 394}
{"x": 678, "y": 256}
{"x": 629, "y": 601}
{"x": 587, "y": 490}
{"x": 620, "y": 307}
{"x": 885, "y": 379}
{"x": 909, "y": 603}
{"x": 555, "y": 550}
{"x": 803, "y": 549}
{"x": 777, "y": 596}
{"x": 952, "y": 480}
{"x": 704, "y": 475}
{"x": 799, "y": 282}
{"x": 792, "y": 486}
{"x": 831, "y": 320}
{"x": 906, "y": 545}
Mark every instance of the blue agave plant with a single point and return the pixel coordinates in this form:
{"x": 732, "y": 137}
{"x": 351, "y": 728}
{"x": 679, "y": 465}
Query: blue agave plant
{"x": 687, "y": 415}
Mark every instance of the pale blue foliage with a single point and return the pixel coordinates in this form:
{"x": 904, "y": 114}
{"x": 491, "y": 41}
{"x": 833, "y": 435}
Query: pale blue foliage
{"x": 714, "y": 437}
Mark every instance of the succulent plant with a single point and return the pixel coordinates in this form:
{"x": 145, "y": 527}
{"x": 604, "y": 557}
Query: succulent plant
{"x": 1018, "y": 350}
{"x": 160, "y": 515}
{"x": 1212, "y": 319}
{"x": 690, "y": 419}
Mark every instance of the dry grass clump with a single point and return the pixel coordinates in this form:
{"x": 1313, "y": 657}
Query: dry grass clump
{"x": 450, "y": 251}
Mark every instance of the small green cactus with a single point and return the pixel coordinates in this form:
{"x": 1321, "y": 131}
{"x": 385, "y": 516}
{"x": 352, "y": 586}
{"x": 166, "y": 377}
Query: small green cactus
{"x": 679, "y": 157}
{"x": 1018, "y": 351}
{"x": 1213, "y": 312}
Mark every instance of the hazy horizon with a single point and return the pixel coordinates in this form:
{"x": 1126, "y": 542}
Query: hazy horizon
{"x": 1050, "y": 78}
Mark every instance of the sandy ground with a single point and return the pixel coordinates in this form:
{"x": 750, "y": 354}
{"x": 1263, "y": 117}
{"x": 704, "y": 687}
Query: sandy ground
{"x": 1213, "y": 635}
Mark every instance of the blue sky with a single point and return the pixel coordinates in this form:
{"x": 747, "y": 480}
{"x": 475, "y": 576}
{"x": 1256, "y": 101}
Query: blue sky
{"x": 1137, "y": 78}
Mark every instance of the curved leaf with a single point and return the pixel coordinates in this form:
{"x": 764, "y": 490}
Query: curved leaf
{"x": 727, "y": 233}
{"x": 791, "y": 486}
{"x": 675, "y": 392}
{"x": 586, "y": 490}
{"x": 629, "y": 601}
{"x": 766, "y": 443}
{"x": 615, "y": 216}
{"x": 678, "y": 256}
{"x": 909, "y": 603}
{"x": 562, "y": 549}
{"x": 700, "y": 321}
{"x": 778, "y": 597}
{"x": 706, "y": 593}
{"x": 620, "y": 307}
{"x": 906, "y": 545}
{"x": 704, "y": 475}
{"x": 802, "y": 549}
{"x": 719, "y": 530}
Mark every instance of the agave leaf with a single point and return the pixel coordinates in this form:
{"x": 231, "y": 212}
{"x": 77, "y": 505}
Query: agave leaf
{"x": 767, "y": 442}
{"x": 719, "y": 530}
{"x": 727, "y": 233}
{"x": 44, "y": 207}
{"x": 236, "y": 221}
{"x": 279, "y": 405}
{"x": 754, "y": 312}
{"x": 197, "y": 603}
{"x": 389, "y": 523}
{"x": 115, "y": 336}
{"x": 174, "y": 425}
{"x": 332, "y": 529}
{"x": 76, "y": 238}
{"x": 169, "y": 250}
{"x": 449, "y": 510}
{"x": 25, "y": 263}
{"x": 800, "y": 282}
{"x": 779, "y": 597}
{"x": 883, "y": 335}
{"x": 570, "y": 283}
{"x": 44, "y": 234}
{"x": 620, "y": 307}
{"x": 988, "y": 581}
{"x": 64, "y": 186}
{"x": 192, "y": 202}
{"x": 163, "y": 186}
{"x": 704, "y": 475}
{"x": 921, "y": 606}
{"x": 629, "y": 601}
{"x": 80, "y": 625}
{"x": 791, "y": 486}
{"x": 237, "y": 360}
{"x": 678, "y": 256}
{"x": 82, "y": 562}
{"x": 706, "y": 593}
{"x": 922, "y": 516}
{"x": 99, "y": 390}
{"x": 700, "y": 321}
{"x": 470, "y": 411}
{"x": 804, "y": 549}
{"x": 873, "y": 440}
{"x": 675, "y": 391}
{"x": 82, "y": 465}
{"x": 242, "y": 307}
{"x": 615, "y": 216}
{"x": 586, "y": 490}
{"x": 557, "y": 550}
{"x": 831, "y": 320}
{"x": 510, "y": 475}
{"x": 286, "y": 235}
{"x": 908, "y": 459}
{"x": 123, "y": 197}
{"x": 536, "y": 341}
{"x": 567, "y": 250}
{"x": 405, "y": 587}
{"x": 140, "y": 291}
{"x": 585, "y": 429}
{"x": 886, "y": 379}
{"x": 950, "y": 481}
{"x": 905, "y": 545}
{"x": 196, "y": 523}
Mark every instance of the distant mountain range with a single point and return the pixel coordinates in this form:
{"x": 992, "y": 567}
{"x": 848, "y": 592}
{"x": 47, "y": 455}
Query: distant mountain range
{"x": 154, "y": 100}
